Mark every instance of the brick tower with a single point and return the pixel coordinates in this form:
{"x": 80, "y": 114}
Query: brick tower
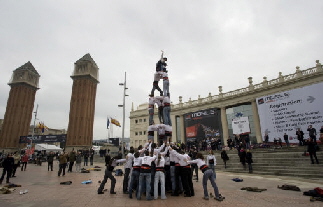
{"x": 20, "y": 105}
{"x": 82, "y": 106}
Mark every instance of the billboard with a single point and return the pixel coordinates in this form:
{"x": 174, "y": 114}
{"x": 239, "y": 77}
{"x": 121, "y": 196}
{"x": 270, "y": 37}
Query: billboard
{"x": 202, "y": 124}
{"x": 286, "y": 111}
{"x": 42, "y": 138}
{"x": 240, "y": 125}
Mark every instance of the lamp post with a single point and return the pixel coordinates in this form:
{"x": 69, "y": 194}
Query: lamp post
{"x": 33, "y": 132}
{"x": 124, "y": 108}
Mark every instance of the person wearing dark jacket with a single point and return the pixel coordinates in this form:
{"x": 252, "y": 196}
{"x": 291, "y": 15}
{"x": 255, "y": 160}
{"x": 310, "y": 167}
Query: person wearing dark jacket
{"x": 72, "y": 158}
{"x": 249, "y": 160}
{"x": 300, "y": 136}
{"x": 7, "y": 165}
{"x": 224, "y": 157}
{"x": 50, "y": 160}
{"x": 311, "y": 148}
{"x": 243, "y": 157}
{"x": 108, "y": 174}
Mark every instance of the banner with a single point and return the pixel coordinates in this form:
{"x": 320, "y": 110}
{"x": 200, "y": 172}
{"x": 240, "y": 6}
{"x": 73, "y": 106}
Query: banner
{"x": 240, "y": 125}
{"x": 286, "y": 111}
{"x": 202, "y": 124}
{"x": 42, "y": 138}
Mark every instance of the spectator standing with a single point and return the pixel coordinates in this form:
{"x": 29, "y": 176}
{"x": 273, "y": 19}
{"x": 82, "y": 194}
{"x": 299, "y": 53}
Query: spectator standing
{"x": 50, "y": 160}
{"x": 312, "y": 133}
{"x": 286, "y": 139}
{"x": 78, "y": 161}
{"x": 243, "y": 157}
{"x": 72, "y": 158}
{"x": 7, "y": 165}
{"x": 86, "y": 157}
{"x": 249, "y": 160}
{"x": 62, "y": 163}
{"x": 16, "y": 158}
{"x": 300, "y": 136}
{"x": 24, "y": 161}
{"x": 280, "y": 142}
{"x": 211, "y": 161}
{"x": 311, "y": 148}
{"x": 224, "y": 157}
{"x": 91, "y": 156}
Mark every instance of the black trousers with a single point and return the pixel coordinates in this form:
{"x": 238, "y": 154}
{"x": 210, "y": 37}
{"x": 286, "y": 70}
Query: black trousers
{"x": 50, "y": 165}
{"x": 61, "y": 168}
{"x": 70, "y": 166}
{"x": 126, "y": 179}
{"x": 15, "y": 166}
{"x": 23, "y": 164}
{"x": 313, "y": 154}
{"x": 4, "y": 172}
{"x": 107, "y": 174}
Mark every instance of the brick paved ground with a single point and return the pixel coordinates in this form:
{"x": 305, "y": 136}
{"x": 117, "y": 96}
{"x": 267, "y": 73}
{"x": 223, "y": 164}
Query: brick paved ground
{"x": 45, "y": 190}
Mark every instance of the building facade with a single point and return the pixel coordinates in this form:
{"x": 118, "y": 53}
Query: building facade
{"x": 225, "y": 107}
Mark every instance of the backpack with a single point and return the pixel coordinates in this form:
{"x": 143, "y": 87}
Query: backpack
{"x": 118, "y": 172}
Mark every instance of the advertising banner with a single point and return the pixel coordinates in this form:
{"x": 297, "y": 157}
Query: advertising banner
{"x": 286, "y": 111}
{"x": 42, "y": 138}
{"x": 240, "y": 125}
{"x": 202, "y": 124}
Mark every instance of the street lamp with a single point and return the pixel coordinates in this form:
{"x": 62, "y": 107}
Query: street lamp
{"x": 124, "y": 108}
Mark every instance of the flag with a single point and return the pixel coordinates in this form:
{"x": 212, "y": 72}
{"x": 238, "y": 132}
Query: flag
{"x": 42, "y": 126}
{"x": 108, "y": 123}
{"x": 115, "y": 122}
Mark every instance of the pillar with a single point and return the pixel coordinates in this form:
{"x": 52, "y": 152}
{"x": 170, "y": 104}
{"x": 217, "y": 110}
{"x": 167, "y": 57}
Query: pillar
{"x": 256, "y": 121}
{"x": 225, "y": 130}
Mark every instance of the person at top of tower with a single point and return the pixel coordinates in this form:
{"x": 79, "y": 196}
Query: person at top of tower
{"x": 161, "y": 64}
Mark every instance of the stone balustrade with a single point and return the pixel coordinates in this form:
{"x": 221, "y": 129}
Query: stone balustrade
{"x": 252, "y": 87}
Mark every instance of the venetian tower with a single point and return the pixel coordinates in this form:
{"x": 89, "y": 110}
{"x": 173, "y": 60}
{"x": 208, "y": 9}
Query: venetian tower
{"x": 82, "y": 107}
{"x": 20, "y": 105}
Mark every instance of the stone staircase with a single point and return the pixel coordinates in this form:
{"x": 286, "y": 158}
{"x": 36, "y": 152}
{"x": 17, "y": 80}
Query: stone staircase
{"x": 275, "y": 161}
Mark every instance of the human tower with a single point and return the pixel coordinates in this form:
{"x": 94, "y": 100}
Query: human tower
{"x": 164, "y": 127}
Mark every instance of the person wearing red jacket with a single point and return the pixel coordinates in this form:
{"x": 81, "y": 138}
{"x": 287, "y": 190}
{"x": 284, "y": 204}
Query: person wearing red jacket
{"x": 24, "y": 161}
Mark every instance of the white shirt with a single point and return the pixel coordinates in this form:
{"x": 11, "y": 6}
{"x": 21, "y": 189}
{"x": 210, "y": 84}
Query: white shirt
{"x": 146, "y": 160}
{"x": 129, "y": 159}
{"x": 166, "y": 99}
{"x": 137, "y": 161}
{"x": 161, "y": 162}
{"x": 210, "y": 157}
{"x": 199, "y": 162}
{"x": 168, "y": 128}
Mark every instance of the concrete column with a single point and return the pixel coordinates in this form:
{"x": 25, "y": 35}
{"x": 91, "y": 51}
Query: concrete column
{"x": 225, "y": 130}
{"x": 182, "y": 128}
{"x": 256, "y": 121}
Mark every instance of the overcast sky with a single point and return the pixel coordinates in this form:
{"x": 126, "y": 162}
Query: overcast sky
{"x": 207, "y": 43}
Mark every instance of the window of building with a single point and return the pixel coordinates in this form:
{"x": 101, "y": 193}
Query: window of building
{"x": 136, "y": 133}
{"x": 136, "y": 121}
{"x": 140, "y": 133}
{"x": 144, "y": 120}
{"x": 144, "y": 132}
{"x": 140, "y": 120}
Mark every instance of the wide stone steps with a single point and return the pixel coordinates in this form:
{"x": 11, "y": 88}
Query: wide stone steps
{"x": 279, "y": 162}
